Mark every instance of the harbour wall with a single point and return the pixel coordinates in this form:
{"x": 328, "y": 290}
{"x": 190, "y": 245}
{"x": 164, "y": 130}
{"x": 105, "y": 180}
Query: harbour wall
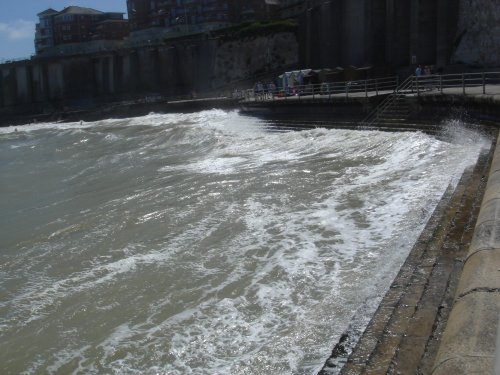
{"x": 179, "y": 68}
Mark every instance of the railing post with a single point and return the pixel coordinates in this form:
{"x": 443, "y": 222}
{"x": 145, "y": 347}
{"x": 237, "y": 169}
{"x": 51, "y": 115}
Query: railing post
{"x": 441, "y": 84}
{"x": 376, "y": 86}
{"x": 463, "y": 83}
{"x": 366, "y": 88}
{"x": 418, "y": 88}
{"x": 484, "y": 83}
{"x": 346, "y": 90}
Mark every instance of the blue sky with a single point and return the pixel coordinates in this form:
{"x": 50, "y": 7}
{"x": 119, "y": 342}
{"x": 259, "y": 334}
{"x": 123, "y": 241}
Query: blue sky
{"x": 18, "y": 19}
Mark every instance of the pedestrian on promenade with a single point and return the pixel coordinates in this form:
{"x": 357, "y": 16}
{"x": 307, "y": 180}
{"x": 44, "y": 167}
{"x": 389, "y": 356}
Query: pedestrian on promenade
{"x": 271, "y": 89}
{"x": 258, "y": 90}
{"x": 418, "y": 71}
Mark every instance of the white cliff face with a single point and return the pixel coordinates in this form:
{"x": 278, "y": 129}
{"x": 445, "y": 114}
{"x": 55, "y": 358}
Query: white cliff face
{"x": 478, "y": 33}
{"x": 242, "y": 59}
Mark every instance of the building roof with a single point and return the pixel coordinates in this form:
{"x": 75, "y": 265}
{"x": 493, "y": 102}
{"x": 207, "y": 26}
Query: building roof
{"x": 80, "y": 10}
{"x": 47, "y": 12}
{"x": 114, "y": 21}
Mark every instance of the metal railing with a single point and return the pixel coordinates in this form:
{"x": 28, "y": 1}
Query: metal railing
{"x": 389, "y": 102}
{"x": 462, "y": 83}
{"x": 359, "y": 88}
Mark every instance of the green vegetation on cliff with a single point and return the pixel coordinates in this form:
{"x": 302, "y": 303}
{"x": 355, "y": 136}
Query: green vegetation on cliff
{"x": 255, "y": 29}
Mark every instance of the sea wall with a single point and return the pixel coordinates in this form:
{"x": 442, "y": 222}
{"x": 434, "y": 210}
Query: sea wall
{"x": 174, "y": 69}
{"x": 386, "y": 34}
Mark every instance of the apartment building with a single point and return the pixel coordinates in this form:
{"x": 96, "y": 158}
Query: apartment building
{"x": 77, "y": 25}
{"x": 193, "y": 15}
{"x": 44, "y": 32}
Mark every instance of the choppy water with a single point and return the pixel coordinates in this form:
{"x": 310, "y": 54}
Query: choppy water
{"x": 203, "y": 243}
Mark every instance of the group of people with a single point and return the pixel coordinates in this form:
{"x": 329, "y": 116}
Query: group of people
{"x": 426, "y": 71}
{"x": 264, "y": 90}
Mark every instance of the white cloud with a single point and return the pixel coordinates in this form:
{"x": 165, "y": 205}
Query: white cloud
{"x": 19, "y": 29}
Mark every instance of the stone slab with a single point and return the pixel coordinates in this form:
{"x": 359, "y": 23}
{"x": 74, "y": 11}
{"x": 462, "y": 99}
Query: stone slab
{"x": 469, "y": 366}
{"x": 481, "y": 272}
{"x": 470, "y": 334}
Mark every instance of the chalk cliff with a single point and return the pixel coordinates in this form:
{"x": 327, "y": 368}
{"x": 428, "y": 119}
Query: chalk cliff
{"x": 245, "y": 58}
{"x": 478, "y": 36}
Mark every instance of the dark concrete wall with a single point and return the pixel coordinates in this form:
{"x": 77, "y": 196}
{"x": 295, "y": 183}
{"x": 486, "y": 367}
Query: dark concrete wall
{"x": 393, "y": 33}
{"x": 82, "y": 80}
{"x": 9, "y": 86}
{"x": 353, "y": 32}
{"x": 182, "y": 67}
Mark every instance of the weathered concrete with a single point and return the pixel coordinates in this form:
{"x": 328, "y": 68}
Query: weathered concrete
{"x": 468, "y": 344}
{"x": 9, "y": 86}
{"x": 384, "y": 33}
{"x": 175, "y": 68}
{"x": 56, "y": 81}
{"x": 23, "y": 81}
{"x": 478, "y": 35}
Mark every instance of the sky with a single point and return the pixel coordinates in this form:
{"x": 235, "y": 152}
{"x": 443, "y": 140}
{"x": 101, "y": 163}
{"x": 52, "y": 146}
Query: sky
{"x": 19, "y": 17}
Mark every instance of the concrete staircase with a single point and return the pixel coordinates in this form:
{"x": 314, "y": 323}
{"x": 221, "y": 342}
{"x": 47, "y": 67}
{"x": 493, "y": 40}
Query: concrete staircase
{"x": 397, "y": 120}
{"x": 397, "y": 113}
{"x": 394, "y": 109}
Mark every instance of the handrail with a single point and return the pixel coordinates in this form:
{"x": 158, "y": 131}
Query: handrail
{"x": 457, "y": 80}
{"x": 447, "y": 83}
{"x": 321, "y": 90}
{"x": 387, "y": 103}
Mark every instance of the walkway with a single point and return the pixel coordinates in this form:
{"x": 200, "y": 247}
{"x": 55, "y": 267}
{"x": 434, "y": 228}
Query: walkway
{"x": 470, "y": 84}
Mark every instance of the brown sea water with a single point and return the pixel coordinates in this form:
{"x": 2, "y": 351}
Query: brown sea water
{"x": 204, "y": 243}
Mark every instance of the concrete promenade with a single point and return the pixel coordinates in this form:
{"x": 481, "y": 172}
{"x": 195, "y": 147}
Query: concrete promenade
{"x": 489, "y": 91}
{"x": 427, "y": 89}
